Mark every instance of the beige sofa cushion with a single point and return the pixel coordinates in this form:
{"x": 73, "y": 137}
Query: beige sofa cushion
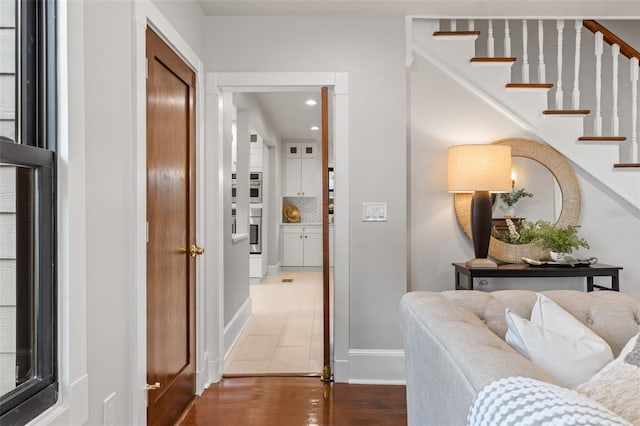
{"x": 609, "y": 316}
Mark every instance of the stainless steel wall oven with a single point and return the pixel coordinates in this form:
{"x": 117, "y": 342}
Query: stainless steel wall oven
{"x": 255, "y": 230}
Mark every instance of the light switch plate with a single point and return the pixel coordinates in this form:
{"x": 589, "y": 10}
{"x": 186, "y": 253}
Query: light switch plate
{"x": 374, "y": 212}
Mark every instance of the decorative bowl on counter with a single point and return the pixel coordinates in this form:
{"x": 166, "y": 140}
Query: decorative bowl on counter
{"x": 291, "y": 213}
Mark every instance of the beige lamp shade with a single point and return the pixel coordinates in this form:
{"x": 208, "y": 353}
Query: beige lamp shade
{"x": 479, "y": 168}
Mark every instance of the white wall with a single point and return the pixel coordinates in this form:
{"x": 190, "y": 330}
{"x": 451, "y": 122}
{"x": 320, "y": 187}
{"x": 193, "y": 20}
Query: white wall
{"x": 371, "y": 50}
{"x": 458, "y": 117}
{"x": 187, "y": 19}
{"x": 236, "y": 253}
{"x": 627, "y": 30}
{"x": 108, "y": 140}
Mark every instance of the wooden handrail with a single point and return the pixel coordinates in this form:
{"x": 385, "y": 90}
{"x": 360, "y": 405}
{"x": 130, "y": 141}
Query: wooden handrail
{"x": 611, "y": 38}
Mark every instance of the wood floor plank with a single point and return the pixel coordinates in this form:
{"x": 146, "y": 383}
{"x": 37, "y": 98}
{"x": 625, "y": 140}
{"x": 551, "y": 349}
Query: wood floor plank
{"x": 297, "y": 401}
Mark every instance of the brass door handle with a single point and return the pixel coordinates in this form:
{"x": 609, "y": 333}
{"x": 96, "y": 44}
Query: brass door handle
{"x": 154, "y": 386}
{"x": 195, "y": 250}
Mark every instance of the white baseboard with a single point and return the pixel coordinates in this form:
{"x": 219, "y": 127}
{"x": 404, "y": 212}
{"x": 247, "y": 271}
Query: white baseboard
{"x": 376, "y": 367}
{"x": 341, "y": 371}
{"x": 208, "y": 374}
{"x": 273, "y": 270}
{"x": 202, "y": 374}
{"x": 215, "y": 375}
{"x": 236, "y": 326}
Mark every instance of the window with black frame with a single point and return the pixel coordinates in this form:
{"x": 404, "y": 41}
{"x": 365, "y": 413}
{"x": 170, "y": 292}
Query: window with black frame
{"x": 28, "y": 376}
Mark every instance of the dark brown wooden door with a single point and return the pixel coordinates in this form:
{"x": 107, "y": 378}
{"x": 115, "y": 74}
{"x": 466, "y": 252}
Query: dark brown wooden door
{"x": 171, "y": 232}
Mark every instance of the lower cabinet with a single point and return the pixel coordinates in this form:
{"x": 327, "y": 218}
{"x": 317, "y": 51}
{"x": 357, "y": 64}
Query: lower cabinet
{"x": 255, "y": 266}
{"x": 302, "y": 245}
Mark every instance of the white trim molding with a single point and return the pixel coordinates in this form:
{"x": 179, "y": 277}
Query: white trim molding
{"x": 377, "y": 366}
{"x": 72, "y": 407}
{"x": 236, "y": 326}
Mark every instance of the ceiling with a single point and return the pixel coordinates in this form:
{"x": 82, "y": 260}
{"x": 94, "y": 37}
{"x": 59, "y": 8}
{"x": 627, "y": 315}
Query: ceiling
{"x": 439, "y": 8}
{"x": 290, "y": 117}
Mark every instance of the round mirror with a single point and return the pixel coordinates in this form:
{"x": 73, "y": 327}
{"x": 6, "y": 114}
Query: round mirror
{"x": 543, "y": 200}
{"x": 543, "y": 172}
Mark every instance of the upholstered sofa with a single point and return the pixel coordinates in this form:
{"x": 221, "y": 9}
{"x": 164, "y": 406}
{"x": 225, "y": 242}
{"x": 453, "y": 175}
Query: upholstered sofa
{"x": 454, "y": 343}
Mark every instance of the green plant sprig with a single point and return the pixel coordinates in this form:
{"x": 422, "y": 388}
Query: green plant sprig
{"x": 551, "y": 237}
{"x": 510, "y": 198}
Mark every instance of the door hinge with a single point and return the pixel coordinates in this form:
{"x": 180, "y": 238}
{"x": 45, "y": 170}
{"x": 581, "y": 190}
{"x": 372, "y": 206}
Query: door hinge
{"x": 146, "y": 67}
{"x": 147, "y": 232}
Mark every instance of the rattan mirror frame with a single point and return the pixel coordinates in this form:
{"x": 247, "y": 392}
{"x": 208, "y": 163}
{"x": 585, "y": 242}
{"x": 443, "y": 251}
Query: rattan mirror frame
{"x": 569, "y": 186}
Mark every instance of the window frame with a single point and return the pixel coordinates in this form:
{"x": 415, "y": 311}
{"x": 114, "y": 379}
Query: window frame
{"x": 35, "y": 146}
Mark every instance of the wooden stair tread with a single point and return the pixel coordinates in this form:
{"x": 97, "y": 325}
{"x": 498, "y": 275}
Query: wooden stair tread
{"x": 478, "y": 59}
{"x": 456, "y": 33}
{"x": 603, "y": 138}
{"x": 529, "y": 85}
{"x": 566, "y": 111}
{"x": 627, "y": 166}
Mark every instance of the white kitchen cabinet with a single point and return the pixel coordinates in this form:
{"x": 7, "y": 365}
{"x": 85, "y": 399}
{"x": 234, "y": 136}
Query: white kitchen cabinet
{"x": 302, "y": 245}
{"x": 255, "y": 266}
{"x": 301, "y": 170}
{"x": 292, "y": 247}
{"x": 255, "y": 153}
{"x": 312, "y": 250}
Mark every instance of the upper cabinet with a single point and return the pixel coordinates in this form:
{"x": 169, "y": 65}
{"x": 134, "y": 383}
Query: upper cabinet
{"x": 255, "y": 153}
{"x": 302, "y": 170}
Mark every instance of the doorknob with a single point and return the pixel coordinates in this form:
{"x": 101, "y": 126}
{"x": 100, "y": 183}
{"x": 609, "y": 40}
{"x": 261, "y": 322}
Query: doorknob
{"x": 154, "y": 386}
{"x": 195, "y": 250}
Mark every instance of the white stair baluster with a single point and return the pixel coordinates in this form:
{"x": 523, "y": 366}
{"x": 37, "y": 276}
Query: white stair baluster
{"x": 633, "y": 72}
{"x": 542, "y": 75}
{"x": 472, "y": 25}
{"x": 507, "y": 39}
{"x": 559, "y": 91}
{"x": 453, "y": 26}
{"x": 575, "y": 98}
{"x": 598, "y": 116}
{"x": 525, "y": 57}
{"x": 490, "y": 40}
{"x": 615, "y": 120}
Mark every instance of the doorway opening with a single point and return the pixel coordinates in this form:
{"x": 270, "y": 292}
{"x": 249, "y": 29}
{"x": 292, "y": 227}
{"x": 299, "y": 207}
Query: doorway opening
{"x": 284, "y": 136}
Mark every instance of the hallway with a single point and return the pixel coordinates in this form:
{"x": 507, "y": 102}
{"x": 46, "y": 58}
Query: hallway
{"x": 284, "y": 334}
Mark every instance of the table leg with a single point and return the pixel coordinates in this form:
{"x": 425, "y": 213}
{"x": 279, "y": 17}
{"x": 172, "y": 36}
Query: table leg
{"x": 614, "y": 282}
{"x": 459, "y": 286}
{"x": 589, "y": 284}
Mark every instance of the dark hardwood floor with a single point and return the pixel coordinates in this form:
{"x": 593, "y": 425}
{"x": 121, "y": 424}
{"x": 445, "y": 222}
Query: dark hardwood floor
{"x": 297, "y": 401}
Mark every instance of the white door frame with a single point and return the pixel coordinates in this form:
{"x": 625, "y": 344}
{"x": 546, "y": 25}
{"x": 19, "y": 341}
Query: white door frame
{"x": 146, "y": 14}
{"x": 217, "y": 84}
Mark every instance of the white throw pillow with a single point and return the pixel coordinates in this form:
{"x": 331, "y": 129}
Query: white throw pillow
{"x": 559, "y": 343}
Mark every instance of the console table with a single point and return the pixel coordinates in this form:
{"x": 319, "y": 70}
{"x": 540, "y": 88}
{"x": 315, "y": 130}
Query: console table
{"x": 519, "y": 270}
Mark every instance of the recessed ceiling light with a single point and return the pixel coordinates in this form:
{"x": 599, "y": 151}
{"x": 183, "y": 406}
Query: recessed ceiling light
{"x": 311, "y": 102}
{"x": 315, "y": 128}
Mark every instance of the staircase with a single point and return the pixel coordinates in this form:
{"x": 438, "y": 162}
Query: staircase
{"x": 570, "y": 82}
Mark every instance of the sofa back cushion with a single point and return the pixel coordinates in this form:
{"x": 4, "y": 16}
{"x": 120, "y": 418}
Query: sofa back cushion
{"x": 611, "y": 315}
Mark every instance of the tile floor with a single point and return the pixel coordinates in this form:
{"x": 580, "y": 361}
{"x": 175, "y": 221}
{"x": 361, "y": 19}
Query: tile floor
{"x": 284, "y": 334}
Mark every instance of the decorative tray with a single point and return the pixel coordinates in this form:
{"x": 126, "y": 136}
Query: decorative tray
{"x": 548, "y": 262}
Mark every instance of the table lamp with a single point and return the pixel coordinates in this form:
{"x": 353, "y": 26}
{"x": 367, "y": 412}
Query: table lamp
{"x": 480, "y": 169}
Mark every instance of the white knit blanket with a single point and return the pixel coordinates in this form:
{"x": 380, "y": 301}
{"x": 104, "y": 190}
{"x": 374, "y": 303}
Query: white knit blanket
{"x": 524, "y": 401}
